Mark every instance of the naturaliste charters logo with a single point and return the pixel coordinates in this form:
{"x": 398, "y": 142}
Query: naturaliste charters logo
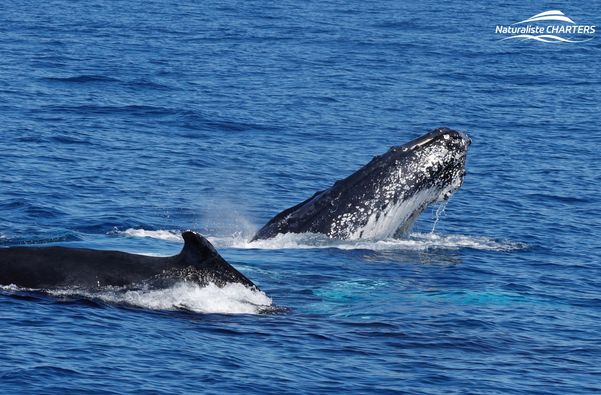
{"x": 550, "y": 27}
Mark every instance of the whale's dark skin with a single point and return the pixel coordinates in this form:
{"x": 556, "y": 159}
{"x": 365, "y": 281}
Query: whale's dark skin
{"x": 384, "y": 197}
{"x": 61, "y": 267}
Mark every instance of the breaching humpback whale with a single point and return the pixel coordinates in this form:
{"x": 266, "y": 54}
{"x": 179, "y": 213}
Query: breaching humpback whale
{"x": 383, "y": 198}
{"x": 61, "y": 267}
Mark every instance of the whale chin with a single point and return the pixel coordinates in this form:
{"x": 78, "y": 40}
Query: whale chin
{"x": 385, "y": 197}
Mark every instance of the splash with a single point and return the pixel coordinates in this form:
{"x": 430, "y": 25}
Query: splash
{"x": 438, "y": 213}
{"x": 415, "y": 241}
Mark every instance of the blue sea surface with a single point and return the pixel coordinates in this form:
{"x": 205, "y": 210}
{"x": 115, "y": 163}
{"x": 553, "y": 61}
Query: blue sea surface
{"x": 123, "y": 123}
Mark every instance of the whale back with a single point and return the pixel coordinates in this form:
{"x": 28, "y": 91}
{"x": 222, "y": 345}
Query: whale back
{"x": 59, "y": 267}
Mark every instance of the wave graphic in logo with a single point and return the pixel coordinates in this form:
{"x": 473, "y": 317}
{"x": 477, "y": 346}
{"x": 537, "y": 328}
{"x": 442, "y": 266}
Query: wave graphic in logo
{"x": 553, "y": 15}
{"x": 546, "y": 38}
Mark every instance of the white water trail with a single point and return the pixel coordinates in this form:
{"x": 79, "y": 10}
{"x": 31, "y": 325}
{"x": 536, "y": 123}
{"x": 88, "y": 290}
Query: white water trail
{"x": 415, "y": 241}
{"x": 230, "y": 299}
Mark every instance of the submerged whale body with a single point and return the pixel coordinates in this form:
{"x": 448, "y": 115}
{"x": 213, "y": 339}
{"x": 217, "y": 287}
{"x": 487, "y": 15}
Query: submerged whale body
{"x": 58, "y": 267}
{"x": 383, "y": 198}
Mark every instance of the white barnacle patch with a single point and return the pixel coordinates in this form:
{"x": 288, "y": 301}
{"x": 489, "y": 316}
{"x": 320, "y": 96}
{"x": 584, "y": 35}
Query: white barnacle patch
{"x": 432, "y": 172}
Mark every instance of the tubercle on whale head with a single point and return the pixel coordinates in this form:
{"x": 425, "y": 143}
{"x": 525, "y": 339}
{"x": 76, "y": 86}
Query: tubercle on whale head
{"x": 449, "y": 148}
{"x": 442, "y": 146}
{"x": 443, "y": 133}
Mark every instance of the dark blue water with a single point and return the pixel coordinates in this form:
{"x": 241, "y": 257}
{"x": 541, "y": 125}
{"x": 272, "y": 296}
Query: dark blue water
{"x": 123, "y": 123}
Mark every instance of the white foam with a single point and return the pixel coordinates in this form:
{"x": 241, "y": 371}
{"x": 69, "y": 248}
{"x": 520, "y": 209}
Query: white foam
{"x": 230, "y": 299}
{"x": 414, "y": 242}
{"x": 11, "y": 287}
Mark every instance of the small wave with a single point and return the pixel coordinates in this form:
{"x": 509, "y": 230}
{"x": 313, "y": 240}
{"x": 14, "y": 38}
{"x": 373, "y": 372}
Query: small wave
{"x": 43, "y": 211}
{"x": 559, "y": 198}
{"x": 133, "y": 110}
{"x": 30, "y": 139}
{"x": 63, "y": 139}
{"x": 82, "y": 79}
{"x": 148, "y": 84}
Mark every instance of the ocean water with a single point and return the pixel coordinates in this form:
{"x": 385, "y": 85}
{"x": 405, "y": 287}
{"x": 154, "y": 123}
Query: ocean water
{"x": 123, "y": 123}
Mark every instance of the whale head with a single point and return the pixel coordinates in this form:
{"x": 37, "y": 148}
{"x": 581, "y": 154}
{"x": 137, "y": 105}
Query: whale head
{"x": 383, "y": 198}
{"x": 397, "y": 186}
{"x": 435, "y": 160}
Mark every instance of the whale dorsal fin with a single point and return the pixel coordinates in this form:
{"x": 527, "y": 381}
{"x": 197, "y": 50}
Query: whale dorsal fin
{"x": 198, "y": 247}
{"x": 200, "y": 253}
